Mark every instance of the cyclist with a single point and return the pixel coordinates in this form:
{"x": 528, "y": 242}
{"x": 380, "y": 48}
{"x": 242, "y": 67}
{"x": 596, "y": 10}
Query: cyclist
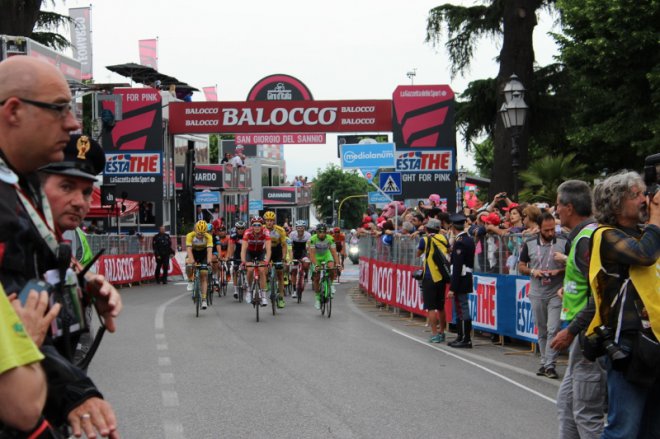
{"x": 199, "y": 249}
{"x": 234, "y": 252}
{"x": 256, "y": 248}
{"x": 278, "y": 252}
{"x": 220, "y": 246}
{"x": 340, "y": 243}
{"x": 322, "y": 249}
{"x": 300, "y": 242}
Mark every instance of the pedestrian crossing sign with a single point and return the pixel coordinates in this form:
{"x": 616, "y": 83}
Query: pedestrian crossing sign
{"x": 390, "y": 183}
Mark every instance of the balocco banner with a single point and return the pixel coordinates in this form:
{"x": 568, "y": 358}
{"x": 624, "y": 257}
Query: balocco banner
{"x": 123, "y": 269}
{"x": 280, "y": 116}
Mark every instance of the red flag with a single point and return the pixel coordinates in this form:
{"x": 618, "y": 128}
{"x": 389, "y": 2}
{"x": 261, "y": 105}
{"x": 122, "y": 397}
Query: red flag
{"x": 211, "y": 93}
{"x": 149, "y": 53}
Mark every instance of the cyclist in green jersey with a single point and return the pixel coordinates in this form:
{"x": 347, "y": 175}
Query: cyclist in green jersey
{"x": 322, "y": 249}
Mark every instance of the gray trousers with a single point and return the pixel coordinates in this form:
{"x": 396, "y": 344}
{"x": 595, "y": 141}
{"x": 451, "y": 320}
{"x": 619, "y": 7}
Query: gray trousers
{"x": 581, "y": 398}
{"x": 546, "y": 315}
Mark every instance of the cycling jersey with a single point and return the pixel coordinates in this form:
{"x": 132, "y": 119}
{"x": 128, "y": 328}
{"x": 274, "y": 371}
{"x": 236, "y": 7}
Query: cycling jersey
{"x": 340, "y": 239}
{"x": 277, "y": 236}
{"x": 299, "y": 244}
{"x": 238, "y": 243}
{"x": 256, "y": 243}
{"x": 223, "y": 243}
{"x": 322, "y": 248}
{"x": 199, "y": 243}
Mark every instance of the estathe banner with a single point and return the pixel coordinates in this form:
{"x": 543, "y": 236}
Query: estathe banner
{"x": 280, "y": 116}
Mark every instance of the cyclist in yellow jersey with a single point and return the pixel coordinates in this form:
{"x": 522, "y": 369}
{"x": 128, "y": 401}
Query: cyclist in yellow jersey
{"x": 278, "y": 252}
{"x": 199, "y": 249}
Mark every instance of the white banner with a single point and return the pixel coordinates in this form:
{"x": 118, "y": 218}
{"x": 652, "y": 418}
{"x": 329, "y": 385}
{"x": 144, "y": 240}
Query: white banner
{"x": 81, "y": 39}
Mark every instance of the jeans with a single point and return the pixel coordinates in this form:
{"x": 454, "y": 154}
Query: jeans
{"x": 581, "y": 397}
{"x": 547, "y": 312}
{"x": 633, "y": 410}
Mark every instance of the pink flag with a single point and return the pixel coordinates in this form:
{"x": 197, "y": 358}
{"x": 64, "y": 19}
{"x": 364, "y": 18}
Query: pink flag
{"x": 149, "y": 53}
{"x": 211, "y": 93}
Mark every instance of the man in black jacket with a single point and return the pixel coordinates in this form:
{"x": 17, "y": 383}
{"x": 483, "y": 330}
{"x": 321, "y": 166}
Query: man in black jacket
{"x": 35, "y": 121}
{"x": 162, "y": 245}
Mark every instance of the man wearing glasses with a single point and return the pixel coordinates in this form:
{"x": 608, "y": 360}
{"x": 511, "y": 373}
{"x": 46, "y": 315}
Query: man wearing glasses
{"x": 35, "y": 121}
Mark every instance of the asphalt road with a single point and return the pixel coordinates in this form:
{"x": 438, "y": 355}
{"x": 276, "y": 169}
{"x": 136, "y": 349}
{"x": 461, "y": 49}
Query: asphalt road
{"x": 364, "y": 373}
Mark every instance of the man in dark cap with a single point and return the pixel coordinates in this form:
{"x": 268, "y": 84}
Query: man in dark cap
{"x": 462, "y": 263}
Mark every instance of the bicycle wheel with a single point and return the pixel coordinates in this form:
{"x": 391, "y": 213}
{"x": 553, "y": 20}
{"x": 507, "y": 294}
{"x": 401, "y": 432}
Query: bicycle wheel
{"x": 273, "y": 290}
{"x": 329, "y": 300}
{"x": 198, "y": 297}
{"x": 209, "y": 289}
{"x": 324, "y": 286}
{"x": 300, "y": 285}
{"x": 256, "y": 298}
{"x": 240, "y": 279}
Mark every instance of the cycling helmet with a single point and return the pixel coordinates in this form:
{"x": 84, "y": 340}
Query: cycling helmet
{"x": 240, "y": 224}
{"x": 301, "y": 223}
{"x": 256, "y": 219}
{"x": 217, "y": 224}
{"x": 321, "y": 228}
{"x": 336, "y": 230}
{"x": 270, "y": 215}
{"x": 209, "y": 228}
{"x": 201, "y": 226}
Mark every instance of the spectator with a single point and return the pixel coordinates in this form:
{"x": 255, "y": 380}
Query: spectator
{"x": 226, "y": 158}
{"x": 537, "y": 260}
{"x": 239, "y": 158}
{"x": 531, "y": 216}
{"x": 581, "y": 396}
{"x": 435, "y": 279}
{"x": 624, "y": 282}
{"x": 462, "y": 264}
{"x": 163, "y": 251}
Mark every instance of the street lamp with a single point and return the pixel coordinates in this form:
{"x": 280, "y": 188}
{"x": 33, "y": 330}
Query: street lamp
{"x": 514, "y": 113}
{"x": 333, "y": 203}
{"x": 461, "y": 177}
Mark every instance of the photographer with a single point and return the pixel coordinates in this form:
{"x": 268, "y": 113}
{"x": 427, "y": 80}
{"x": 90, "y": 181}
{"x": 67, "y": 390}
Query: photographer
{"x": 624, "y": 281}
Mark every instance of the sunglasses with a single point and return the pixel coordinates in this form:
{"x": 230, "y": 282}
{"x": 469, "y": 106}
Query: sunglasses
{"x": 256, "y": 225}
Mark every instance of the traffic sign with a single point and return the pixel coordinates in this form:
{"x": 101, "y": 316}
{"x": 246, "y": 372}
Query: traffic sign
{"x": 255, "y": 206}
{"x": 390, "y": 183}
{"x": 377, "y": 198}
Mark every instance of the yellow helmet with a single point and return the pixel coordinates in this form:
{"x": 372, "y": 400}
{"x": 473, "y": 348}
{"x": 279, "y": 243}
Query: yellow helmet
{"x": 201, "y": 226}
{"x": 270, "y": 215}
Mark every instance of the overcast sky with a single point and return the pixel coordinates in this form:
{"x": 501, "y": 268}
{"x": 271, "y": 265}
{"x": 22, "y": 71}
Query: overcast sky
{"x": 344, "y": 49}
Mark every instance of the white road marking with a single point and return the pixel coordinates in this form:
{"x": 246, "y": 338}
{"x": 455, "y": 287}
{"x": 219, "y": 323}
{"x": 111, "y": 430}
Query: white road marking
{"x": 170, "y": 398}
{"x": 484, "y": 368}
{"x": 164, "y": 361}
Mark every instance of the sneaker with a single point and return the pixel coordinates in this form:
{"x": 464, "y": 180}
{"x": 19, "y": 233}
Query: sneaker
{"x": 264, "y": 301}
{"x": 248, "y": 298}
{"x": 541, "y": 371}
{"x": 437, "y": 338}
{"x": 204, "y": 305}
{"x": 281, "y": 303}
{"x": 317, "y": 302}
{"x": 190, "y": 286}
{"x": 551, "y": 373}
{"x": 294, "y": 295}
{"x": 235, "y": 295}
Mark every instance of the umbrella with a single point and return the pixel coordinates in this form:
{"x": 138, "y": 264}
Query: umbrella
{"x": 148, "y": 76}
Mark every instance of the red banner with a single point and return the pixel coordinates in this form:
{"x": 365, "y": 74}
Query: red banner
{"x": 280, "y": 116}
{"x": 281, "y": 139}
{"x": 211, "y": 93}
{"x": 394, "y": 285}
{"x": 123, "y": 269}
{"x": 149, "y": 53}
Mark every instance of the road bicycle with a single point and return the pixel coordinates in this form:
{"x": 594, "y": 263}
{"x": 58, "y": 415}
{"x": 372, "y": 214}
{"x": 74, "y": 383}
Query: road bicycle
{"x": 241, "y": 282}
{"x": 273, "y": 283}
{"x": 197, "y": 287}
{"x": 224, "y": 271}
{"x": 209, "y": 288}
{"x": 254, "y": 287}
{"x": 325, "y": 288}
{"x": 297, "y": 266}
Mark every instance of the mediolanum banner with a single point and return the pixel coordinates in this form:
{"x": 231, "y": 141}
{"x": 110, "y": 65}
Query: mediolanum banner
{"x": 280, "y": 116}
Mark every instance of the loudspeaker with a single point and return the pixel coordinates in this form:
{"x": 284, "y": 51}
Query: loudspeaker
{"x": 108, "y": 194}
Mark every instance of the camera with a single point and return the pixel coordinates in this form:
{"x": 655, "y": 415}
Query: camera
{"x": 614, "y": 351}
{"x": 652, "y": 174}
{"x": 502, "y": 195}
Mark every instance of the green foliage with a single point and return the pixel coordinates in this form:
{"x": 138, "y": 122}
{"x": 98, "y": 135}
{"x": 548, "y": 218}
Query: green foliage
{"x": 543, "y": 177}
{"x": 333, "y": 181}
{"x": 611, "y": 54}
{"x": 46, "y": 27}
{"x": 213, "y": 148}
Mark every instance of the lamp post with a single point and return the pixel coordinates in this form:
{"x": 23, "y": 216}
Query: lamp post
{"x": 333, "y": 202}
{"x": 513, "y": 113}
{"x": 461, "y": 177}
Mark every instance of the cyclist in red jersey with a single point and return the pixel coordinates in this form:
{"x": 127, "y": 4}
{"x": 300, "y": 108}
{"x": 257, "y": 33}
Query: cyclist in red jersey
{"x": 256, "y": 248}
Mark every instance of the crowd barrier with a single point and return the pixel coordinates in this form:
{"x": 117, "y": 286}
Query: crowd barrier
{"x": 499, "y": 304}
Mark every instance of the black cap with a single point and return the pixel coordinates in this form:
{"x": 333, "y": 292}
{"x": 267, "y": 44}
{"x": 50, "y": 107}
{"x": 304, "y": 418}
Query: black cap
{"x": 83, "y": 158}
{"x": 457, "y": 218}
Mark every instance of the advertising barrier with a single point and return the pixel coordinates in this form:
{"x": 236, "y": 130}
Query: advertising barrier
{"x": 132, "y": 268}
{"x": 499, "y": 303}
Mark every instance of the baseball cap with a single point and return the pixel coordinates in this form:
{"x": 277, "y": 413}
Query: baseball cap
{"x": 433, "y": 224}
{"x": 83, "y": 158}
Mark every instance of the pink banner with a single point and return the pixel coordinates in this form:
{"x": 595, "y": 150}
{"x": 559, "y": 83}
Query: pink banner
{"x": 394, "y": 285}
{"x": 123, "y": 269}
{"x": 211, "y": 93}
{"x": 149, "y": 53}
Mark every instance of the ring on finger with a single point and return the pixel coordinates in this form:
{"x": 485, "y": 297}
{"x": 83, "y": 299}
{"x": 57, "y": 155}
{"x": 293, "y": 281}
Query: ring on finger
{"x": 85, "y": 416}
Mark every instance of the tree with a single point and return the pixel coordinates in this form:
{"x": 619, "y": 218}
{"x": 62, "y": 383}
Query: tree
{"x": 332, "y": 181}
{"x": 543, "y": 177}
{"x": 612, "y": 58}
{"x": 514, "y": 22}
{"x": 25, "y": 18}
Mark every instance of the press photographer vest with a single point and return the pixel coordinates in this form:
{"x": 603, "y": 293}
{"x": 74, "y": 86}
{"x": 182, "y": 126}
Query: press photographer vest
{"x": 576, "y": 286}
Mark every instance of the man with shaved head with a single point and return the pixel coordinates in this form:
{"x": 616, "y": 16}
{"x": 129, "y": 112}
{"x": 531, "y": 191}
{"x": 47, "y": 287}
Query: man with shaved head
{"x": 35, "y": 122}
